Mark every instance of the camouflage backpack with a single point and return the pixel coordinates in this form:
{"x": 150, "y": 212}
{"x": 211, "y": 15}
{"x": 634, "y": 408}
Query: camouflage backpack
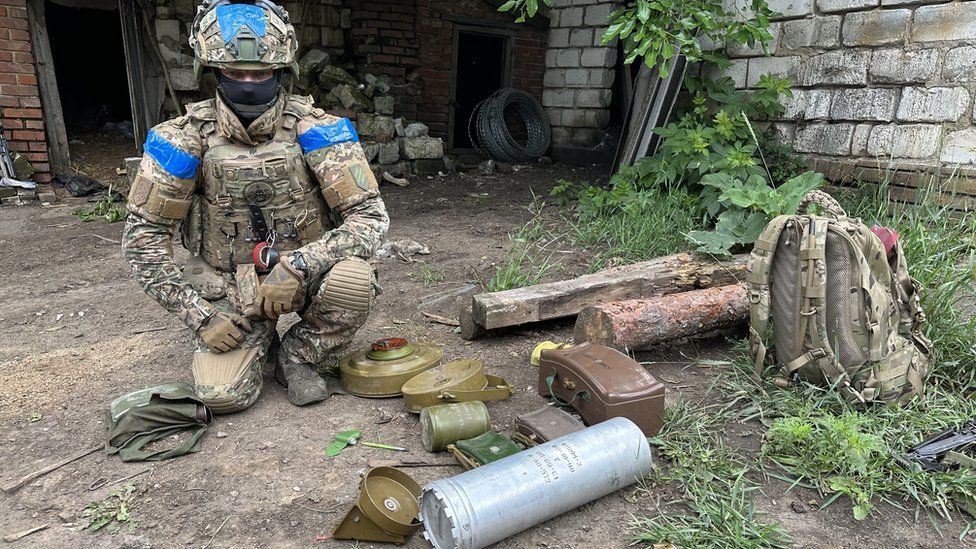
{"x": 844, "y": 312}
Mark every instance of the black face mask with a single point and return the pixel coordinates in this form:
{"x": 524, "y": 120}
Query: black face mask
{"x": 248, "y": 99}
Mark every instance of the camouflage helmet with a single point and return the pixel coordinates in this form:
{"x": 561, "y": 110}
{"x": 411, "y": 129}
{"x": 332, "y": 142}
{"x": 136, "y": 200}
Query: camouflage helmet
{"x": 248, "y": 35}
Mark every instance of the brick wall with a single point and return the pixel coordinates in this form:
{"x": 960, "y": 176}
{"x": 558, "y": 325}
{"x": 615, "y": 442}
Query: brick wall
{"x": 579, "y": 72}
{"x": 889, "y": 79}
{"x": 19, "y": 98}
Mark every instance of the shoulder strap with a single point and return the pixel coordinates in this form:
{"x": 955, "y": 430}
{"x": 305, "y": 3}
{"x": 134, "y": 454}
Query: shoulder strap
{"x": 757, "y": 282}
{"x": 203, "y": 116}
{"x": 909, "y": 301}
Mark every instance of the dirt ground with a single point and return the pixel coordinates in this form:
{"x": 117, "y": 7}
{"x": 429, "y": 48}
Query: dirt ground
{"x": 78, "y": 332}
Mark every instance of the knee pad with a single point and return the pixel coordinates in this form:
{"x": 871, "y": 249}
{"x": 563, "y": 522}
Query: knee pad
{"x": 227, "y": 382}
{"x": 349, "y": 285}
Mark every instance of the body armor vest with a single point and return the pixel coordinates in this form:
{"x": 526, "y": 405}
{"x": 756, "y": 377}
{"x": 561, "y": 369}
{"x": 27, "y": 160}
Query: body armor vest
{"x": 274, "y": 177}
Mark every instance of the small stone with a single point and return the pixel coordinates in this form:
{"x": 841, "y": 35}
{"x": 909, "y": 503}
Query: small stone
{"x": 296, "y": 488}
{"x": 398, "y": 127}
{"x": 416, "y": 129}
{"x": 413, "y": 148}
{"x": 221, "y": 434}
{"x": 331, "y": 76}
{"x": 799, "y": 507}
{"x": 384, "y": 104}
{"x": 389, "y": 153}
{"x": 234, "y": 493}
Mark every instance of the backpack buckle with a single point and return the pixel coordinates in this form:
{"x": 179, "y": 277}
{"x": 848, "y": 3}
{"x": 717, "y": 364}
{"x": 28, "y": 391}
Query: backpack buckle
{"x": 755, "y": 296}
{"x": 818, "y": 353}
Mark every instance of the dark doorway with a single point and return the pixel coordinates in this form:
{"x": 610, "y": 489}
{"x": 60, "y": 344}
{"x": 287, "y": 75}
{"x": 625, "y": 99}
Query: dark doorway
{"x": 89, "y": 64}
{"x": 482, "y": 67}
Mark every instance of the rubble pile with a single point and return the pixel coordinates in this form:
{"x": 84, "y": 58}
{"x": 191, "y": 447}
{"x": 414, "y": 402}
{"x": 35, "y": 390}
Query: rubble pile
{"x": 395, "y": 147}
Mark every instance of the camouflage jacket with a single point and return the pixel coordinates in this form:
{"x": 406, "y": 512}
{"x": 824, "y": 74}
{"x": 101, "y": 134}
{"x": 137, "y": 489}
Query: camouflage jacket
{"x": 168, "y": 185}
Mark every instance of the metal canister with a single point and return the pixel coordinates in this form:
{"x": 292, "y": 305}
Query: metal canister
{"x": 492, "y": 502}
{"x": 448, "y": 423}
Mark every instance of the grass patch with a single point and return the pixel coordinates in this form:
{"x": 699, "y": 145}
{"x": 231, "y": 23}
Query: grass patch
{"x": 717, "y": 493}
{"x": 428, "y": 275}
{"x": 626, "y": 226}
{"x": 529, "y": 258}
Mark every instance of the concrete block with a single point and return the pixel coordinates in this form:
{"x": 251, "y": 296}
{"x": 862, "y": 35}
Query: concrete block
{"x": 864, "y": 104}
{"x": 389, "y": 153}
{"x": 168, "y": 29}
{"x": 598, "y": 15}
{"x": 597, "y": 118}
{"x": 791, "y": 8}
{"x": 384, "y": 104}
{"x": 558, "y": 98}
{"x": 413, "y": 148}
{"x": 587, "y": 137}
{"x": 558, "y": 38}
{"x": 830, "y": 6}
{"x": 568, "y": 57}
{"x": 808, "y": 104}
{"x": 905, "y": 141}
{"x": 561, "y": 136}
{"x": 571, "y": 17}
{"x": 781, "y": 67}
{"x": 738, "y": 71}
{"x": 416, "y": 129}
{"x": 554, "y": 78}
{"x": 859, "y": 143}
{"x": 582, "y": 37}
{"x": 578, "y": 78}
{"x": 550, "y": 58}
{"x": 818, "y": 32}
{"x": 944, "y": 22}
{"x": 960, "y": 147}
{"x": 933, "y": 104}
{"x": 843, "y": 67}
{"x": 574, "y": 118}
{"x": 601, "y": 78}
{"x": 829, "y": 139}
{"x": 595, "y": 99}
{"x": 876, "y": 28}
{"x": 886, "y": 3}
{"x": 784, "y": 132}
{"x": 960, "y": 65}
{"x": 598, "y": 57}
{"x": 897, "y": 66}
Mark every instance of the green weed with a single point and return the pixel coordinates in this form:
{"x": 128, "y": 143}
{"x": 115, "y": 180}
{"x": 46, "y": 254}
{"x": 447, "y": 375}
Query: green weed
{"x": 520, "y": 267}
{"x": 113, "y": 511}
{"x": 716, "y": 490}
{"x": 105, "y": 209}
{"x": 429, "y": 276}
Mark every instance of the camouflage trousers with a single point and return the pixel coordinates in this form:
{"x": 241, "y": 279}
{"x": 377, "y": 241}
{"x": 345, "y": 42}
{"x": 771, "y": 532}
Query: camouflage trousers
{"x": 319, "y": 338}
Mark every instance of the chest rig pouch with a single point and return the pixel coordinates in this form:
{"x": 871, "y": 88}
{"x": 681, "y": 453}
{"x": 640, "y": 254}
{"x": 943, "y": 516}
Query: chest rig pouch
{"x": 271, "y": 176}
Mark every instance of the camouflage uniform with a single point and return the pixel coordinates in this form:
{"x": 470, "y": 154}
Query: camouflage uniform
{"x": 307, "y": 172}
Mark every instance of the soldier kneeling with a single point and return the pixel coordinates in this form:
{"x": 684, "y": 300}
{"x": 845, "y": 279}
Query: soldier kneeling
{"x": 277, "y": 205}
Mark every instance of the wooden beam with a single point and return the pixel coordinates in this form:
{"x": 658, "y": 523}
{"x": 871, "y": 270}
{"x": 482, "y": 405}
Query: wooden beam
{"x": 639, "y": 324}
{"x": 47, "y": 83}
{"x": 661, "y": 276}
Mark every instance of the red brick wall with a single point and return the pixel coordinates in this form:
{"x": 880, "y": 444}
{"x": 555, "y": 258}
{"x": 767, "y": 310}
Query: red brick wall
{"x": 412, "y": 41}
{"x": 19, "y": 98}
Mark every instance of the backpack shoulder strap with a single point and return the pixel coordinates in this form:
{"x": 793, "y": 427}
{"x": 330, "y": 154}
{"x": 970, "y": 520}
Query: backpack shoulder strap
{"x": 757, "y": 282}
{"x": 909, "y": 301}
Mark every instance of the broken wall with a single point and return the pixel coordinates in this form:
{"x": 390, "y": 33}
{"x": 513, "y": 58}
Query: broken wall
{"x": 22, "y": 117}
{"x": 888, "y": 79}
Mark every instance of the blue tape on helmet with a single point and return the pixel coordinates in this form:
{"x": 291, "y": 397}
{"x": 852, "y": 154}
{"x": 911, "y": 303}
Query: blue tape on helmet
{"x": 324, "y": 135}
{"x": 230, "y": 19}
{"x": 174, "y": 160}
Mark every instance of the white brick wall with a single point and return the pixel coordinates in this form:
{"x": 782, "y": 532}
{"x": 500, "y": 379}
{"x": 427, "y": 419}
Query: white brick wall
{"x": 579, "y": 72}
{"x": 873, "y": 78}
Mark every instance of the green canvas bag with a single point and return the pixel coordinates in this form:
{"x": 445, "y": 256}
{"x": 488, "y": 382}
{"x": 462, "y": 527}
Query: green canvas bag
{"x": 154, "y": 413}
{"x": 842, "y": 311}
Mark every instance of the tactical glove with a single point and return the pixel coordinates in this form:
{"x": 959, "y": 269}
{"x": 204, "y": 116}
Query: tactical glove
{"x": 282, "y": 291}
{"x": 224, "y": 332}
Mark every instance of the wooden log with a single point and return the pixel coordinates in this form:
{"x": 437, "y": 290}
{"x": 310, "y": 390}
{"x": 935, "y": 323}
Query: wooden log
{"x": 639, "y": 324}
{"x": 661, "y": 276}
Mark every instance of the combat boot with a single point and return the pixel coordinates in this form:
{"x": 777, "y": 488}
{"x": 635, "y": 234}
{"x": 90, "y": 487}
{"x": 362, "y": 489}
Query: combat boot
{"x": 304, "y": 385}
